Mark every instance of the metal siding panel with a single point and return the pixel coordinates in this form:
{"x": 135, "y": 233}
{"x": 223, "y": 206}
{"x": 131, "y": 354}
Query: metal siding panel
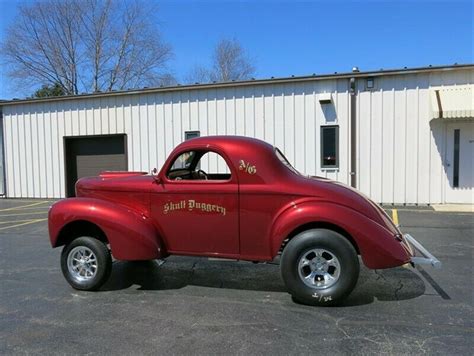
{"x": 269, "y": 115}
{"x": 364, "y": 138}
{"x": 279, "y": 121}
{"x": 299, "y": 128}
{"x": 424, "y": 141}
{"x": 153, "y": 139}
{"x": 22, "y": 191}
{"x": 411, "y": 142}
{"x": 240, "y": 111}
{"x": 288, "y": 123}
{"x": 127, "y": 122}
{"x": 399, "y": 147}
{"x": 28, "y": 156}
{"x": 48, "y": 155}
{"x": 342, "y": 107}
{"x": 60, "y": 148}
{"x": 104, "y": 116}
{"x": 9, "y": 152}
{"x": 230, "y": 111}
{"x": 387, "y": 134}
{"x": 55, "y": 152}
{"x": 135, "y": 132}
{"x": 36, "y": 151}
{"x": 309, "y": 129}
{"x": 168, "y": 121}
{"x": 160, "y": 129}
{"x": 249, "y": 115}
{"x": 143, "y": 133}
{"x": 376, "y": 153}
{"x": 259, "y": 116}
{"x": 221, "y": 113}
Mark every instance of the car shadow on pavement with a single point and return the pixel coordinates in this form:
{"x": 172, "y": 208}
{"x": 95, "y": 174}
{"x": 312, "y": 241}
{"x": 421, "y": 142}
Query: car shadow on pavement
{"x": 383, "y": 285}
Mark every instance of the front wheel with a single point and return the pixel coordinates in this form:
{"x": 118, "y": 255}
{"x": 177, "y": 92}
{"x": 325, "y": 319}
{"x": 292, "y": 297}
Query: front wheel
{"x": 319, "y": 267}
{"x": 86, "y": 263}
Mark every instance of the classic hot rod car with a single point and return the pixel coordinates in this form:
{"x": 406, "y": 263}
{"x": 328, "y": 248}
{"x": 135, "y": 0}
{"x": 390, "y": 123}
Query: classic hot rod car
{"x": 251, "y": 205}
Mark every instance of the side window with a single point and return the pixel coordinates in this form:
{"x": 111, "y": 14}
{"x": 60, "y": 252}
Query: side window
{"x": 199, "y": 166}
{"x": 183, "y": 161}
{"x": 214, "y": 164}
{"x": 329, "y": 146}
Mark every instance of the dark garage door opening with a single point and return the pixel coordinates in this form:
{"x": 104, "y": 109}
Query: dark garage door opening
{"x": 88, "y": 156}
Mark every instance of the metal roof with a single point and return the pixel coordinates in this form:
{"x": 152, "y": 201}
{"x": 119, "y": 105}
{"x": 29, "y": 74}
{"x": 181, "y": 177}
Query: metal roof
{"x": 292, "y": 79}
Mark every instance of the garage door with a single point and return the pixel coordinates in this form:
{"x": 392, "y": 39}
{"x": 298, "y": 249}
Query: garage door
{"x": 88, "y": 156}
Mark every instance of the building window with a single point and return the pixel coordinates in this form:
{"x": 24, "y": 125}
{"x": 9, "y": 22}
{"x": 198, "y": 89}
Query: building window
{"x": 370, "y": 84}
{"x": 456, "y": 159}
{"x": 191, "y": 134}
{"x": 329, "y": 146}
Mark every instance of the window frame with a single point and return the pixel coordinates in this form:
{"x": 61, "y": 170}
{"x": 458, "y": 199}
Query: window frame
{"x": 322, "y": 128}
{"x": 200, "y": 152}
{"x": 195, "y": 132}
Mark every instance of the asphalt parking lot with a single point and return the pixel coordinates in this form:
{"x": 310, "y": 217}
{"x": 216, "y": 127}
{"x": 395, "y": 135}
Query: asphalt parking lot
{"x": 192, "y": 305}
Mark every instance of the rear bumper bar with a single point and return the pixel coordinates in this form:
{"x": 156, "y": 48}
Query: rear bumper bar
{"x": 427, "y": 259}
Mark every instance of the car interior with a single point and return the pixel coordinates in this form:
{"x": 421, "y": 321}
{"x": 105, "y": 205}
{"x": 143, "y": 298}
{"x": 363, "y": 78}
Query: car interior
{"x": 188, "y": 166}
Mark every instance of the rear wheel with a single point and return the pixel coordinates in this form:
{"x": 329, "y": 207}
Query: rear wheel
{"x": 319, "y": 267}
{"x": 86, "y": 263}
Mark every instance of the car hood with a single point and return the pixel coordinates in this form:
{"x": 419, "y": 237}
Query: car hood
{"x": 114, "y": 181}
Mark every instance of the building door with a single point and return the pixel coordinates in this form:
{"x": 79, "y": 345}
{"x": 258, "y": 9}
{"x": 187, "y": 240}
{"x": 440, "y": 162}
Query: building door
{"x": 459, "y": 162}
{"x": 88, "y": 156}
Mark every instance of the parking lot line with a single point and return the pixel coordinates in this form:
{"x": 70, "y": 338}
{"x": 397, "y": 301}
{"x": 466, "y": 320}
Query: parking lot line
{"x": 22, "y": 224}
{"x": 23, "y": 214}
{"x": 395, "y": 217}
{"x": 24, "y": 206}
{"x": 14, "y": 221}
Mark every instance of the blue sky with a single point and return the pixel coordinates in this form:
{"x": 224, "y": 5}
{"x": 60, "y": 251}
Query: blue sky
{"x": 297, "y": 38}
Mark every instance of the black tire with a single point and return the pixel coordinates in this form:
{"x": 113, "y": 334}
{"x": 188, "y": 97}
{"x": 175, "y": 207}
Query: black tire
{"x": 103, "y": 263}
{"x": 319, "y": 240}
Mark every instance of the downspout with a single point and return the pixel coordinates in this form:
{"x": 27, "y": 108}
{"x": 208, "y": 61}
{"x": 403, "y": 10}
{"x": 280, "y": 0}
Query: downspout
{"x": 353, "y": 118}
{"x": 3, "y": 181}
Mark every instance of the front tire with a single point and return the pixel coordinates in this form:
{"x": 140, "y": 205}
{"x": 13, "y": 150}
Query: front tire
{"x": 319, "y": 267}
{"x": 86, "y": 263}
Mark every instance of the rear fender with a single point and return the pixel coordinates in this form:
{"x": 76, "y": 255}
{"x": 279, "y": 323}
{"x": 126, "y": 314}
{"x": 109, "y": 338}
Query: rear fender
{"x": 377, "y": 246}
{"x": 131, "y": 235}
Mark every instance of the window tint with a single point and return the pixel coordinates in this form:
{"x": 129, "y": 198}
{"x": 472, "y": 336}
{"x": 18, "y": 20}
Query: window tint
{"x": 183, "y": 161}
{"x": 329, "y": 146}
{"x": 191, "y": 134}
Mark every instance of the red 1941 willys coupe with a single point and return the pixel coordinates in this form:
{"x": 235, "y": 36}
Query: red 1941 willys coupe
{"x": 252, "y": 206}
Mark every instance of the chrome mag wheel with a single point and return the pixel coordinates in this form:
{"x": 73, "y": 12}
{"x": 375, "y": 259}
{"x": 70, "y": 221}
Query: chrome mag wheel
{"x": 82, "y": 263}
{"x": 319, "y": 268}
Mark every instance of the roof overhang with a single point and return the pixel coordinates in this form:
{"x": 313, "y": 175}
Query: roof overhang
{"x": 453, "y": 102}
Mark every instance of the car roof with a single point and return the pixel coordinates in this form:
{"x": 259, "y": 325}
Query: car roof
{"x": 230, "y": 144}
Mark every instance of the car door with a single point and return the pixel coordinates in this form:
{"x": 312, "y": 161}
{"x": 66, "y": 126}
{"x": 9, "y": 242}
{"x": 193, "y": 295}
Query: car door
{"x": 196, "y": 205}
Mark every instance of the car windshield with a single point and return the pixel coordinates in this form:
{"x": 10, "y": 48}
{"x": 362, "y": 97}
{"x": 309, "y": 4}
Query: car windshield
{"x": 285, "y": 162}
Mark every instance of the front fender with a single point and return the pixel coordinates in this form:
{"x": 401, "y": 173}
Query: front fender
{"x": 377, "y": 245}
{"x": 131, "y": 235}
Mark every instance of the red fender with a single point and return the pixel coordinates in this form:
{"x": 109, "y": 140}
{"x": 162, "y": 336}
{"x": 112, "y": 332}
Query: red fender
{"x": 131, "y": 235}
{"x": 378, "y": 247}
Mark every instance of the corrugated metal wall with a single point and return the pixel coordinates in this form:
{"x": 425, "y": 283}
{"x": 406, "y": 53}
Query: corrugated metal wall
{"x": 399, "y": 158}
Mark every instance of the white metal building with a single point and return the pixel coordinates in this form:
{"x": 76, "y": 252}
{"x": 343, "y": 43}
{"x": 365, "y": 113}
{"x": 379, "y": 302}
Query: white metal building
{"x": 400, "y": 136}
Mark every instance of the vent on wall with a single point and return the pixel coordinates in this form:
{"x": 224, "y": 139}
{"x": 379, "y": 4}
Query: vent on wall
{"x": 325, "y": 98}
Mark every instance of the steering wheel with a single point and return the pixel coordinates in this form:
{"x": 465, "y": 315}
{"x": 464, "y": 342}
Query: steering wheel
{"x": 203, "y": 174}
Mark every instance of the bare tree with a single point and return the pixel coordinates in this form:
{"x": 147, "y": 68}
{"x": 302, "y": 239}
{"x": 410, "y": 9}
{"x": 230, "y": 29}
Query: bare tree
{"x": 198, "y": 74}
{"x": 86, "y": 45}
{"x": 229, "y": 62}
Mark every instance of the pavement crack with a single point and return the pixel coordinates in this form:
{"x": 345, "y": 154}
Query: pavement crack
{"x": 399, "y": 287}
